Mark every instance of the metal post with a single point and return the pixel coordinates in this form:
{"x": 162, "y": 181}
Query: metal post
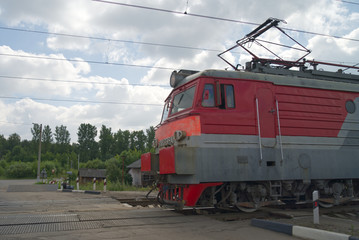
{"x": 39, "y": 155}
{"x": 94, "y": 184}
{"x": 315, "y": 207}
{"x": 104, "y": 185}
{"x": 77, "y": 183}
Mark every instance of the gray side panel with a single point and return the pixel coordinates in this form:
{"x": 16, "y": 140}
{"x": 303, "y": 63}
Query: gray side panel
{"x": 304, "y": 158}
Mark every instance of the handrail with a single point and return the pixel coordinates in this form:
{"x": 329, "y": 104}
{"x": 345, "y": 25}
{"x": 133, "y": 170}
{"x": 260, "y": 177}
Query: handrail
{"x": 279, "y": 132}
{"x": 259, "y": 131}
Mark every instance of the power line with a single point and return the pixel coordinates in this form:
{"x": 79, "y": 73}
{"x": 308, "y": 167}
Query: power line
{"x": 221, "y": 19}
{"x": 81, "y": 101}
{"x": 349, "y": 2}
{"x": 107, "y": 39}
{"x": 85, "y": 61}
{"x": 83, "y": 82}
{"x": 92, "y": 62}
{"x": 15, "y": 123}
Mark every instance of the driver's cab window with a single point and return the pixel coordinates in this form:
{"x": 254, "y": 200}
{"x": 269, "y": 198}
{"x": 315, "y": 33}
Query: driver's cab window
{"x": 226, "y": 96}
{"x": 208, "y": 96}
{"x": 183, "y": 100}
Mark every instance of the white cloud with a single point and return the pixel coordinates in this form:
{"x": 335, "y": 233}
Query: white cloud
{"x": 108, "y": 21}
{"x": 31, "y": 69}
{"x": 68, "y": 43}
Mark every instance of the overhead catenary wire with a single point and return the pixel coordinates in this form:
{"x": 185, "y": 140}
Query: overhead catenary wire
{"x": 222, "y": 19}
{"x": 84, "y": 61}
{"x": 98, "y": 62}
{"x": 173, "y": 12}
{"x": 16, "y": 123}
{"x": 83, "y": 82}
{"x": 349, "y": 2}
{"x": 107, "y": 39}
{"x": 81, "y": 101}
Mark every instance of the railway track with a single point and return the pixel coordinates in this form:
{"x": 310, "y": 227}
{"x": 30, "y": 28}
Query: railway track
{"x": 348, "y": 211}
{"x": 16, "y": 224}
{"x": 143, "y": 202}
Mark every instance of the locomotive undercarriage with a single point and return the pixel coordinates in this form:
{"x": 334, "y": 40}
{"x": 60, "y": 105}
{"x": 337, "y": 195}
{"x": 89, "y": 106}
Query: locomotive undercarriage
{"x": 250, "y": 196}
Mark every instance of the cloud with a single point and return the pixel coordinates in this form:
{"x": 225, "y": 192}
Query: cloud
{"x": 31, "y": 69}
{"x": 112, "y": 84}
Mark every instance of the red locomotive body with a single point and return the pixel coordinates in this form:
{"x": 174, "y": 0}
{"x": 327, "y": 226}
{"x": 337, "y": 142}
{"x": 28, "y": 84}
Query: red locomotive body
{"x": 256, "y": 136}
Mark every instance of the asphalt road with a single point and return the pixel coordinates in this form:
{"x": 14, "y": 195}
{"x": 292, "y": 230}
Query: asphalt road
{"x": 61, "y": 215}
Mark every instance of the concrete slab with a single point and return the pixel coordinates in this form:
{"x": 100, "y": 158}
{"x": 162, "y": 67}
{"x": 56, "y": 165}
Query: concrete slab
{"x": 33, "y": 188}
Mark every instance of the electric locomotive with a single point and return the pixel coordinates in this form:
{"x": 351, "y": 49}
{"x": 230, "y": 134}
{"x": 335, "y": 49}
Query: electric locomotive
{"x": 259, "y": 135}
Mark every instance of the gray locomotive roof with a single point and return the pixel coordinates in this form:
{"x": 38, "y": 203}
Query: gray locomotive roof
{"x": 309, "y": 79}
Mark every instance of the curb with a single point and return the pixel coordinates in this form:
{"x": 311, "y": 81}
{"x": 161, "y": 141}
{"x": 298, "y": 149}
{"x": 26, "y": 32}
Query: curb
{"x": 302, "y": 232}
{"x": 79, "y": 191}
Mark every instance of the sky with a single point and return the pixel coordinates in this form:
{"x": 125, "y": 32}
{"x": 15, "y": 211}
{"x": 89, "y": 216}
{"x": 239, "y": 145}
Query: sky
{"x": 67, "y": 62}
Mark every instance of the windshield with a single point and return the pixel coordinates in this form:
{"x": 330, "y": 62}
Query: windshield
{"x": 183, "y": 100}
{"x": 180, "y": 102}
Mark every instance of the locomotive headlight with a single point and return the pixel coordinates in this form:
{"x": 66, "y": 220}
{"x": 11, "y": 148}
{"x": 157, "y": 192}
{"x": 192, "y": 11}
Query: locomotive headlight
{"x": 179, "y": 135}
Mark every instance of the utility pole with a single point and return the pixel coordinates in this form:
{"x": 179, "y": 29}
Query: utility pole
{"x": 39, "y": 155}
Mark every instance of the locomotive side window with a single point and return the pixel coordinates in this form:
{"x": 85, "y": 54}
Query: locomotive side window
{"x": 183, "y": 100}
{"x": 208, "y": 96}
{"x": 227, "y": 97}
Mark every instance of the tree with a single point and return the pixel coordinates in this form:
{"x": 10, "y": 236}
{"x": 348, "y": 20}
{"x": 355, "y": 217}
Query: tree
{"x": 121, "y": 141}
{"x": 35, "y": 130}
{"x": 62, "y": 137}
{"x": 106, "y": 142}
{"x": 150, "y": 132}
{"x": 13, "y": 140}
{"x": 3, "y": 146}
{"x": 47, "y": 135}
{"x": 47, "y": 138}
{"x": 138, "y": 140}
{"x": 87, "y": 144}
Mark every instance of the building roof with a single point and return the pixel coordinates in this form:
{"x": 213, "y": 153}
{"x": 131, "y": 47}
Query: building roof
{"x": 136, "y": 164}
{"x": 93, "y": 173}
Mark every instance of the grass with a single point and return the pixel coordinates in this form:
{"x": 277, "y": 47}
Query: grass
{"x": 111, "y": 186}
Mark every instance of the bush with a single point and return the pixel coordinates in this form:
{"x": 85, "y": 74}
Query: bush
{"x": 19, "y": 170}
{"x": 49, "y": 166}
{"x": 2, "y": 171}
{"x": 95, "y": 164}
{"x": 114, "y": 170}
{"x": 3, "y": 166}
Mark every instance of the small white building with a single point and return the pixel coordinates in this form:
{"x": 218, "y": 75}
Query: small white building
{"x": 139, "y": 178}
{"x": 135, "y": 172}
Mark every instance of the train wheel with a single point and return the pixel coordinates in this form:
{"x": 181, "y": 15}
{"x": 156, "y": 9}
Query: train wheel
{"x": 247, "y": 207}
{"x": 325, "y": 204}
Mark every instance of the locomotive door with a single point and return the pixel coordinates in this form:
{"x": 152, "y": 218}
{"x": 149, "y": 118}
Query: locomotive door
{"x": 266, "y": 112}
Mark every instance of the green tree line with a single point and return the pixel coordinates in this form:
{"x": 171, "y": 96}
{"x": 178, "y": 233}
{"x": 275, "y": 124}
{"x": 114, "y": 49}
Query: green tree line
{"x": 112, "y": 150}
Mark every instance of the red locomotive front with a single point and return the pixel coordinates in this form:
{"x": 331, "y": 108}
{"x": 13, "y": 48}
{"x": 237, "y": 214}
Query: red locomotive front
{"x": 256, "y": 136}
